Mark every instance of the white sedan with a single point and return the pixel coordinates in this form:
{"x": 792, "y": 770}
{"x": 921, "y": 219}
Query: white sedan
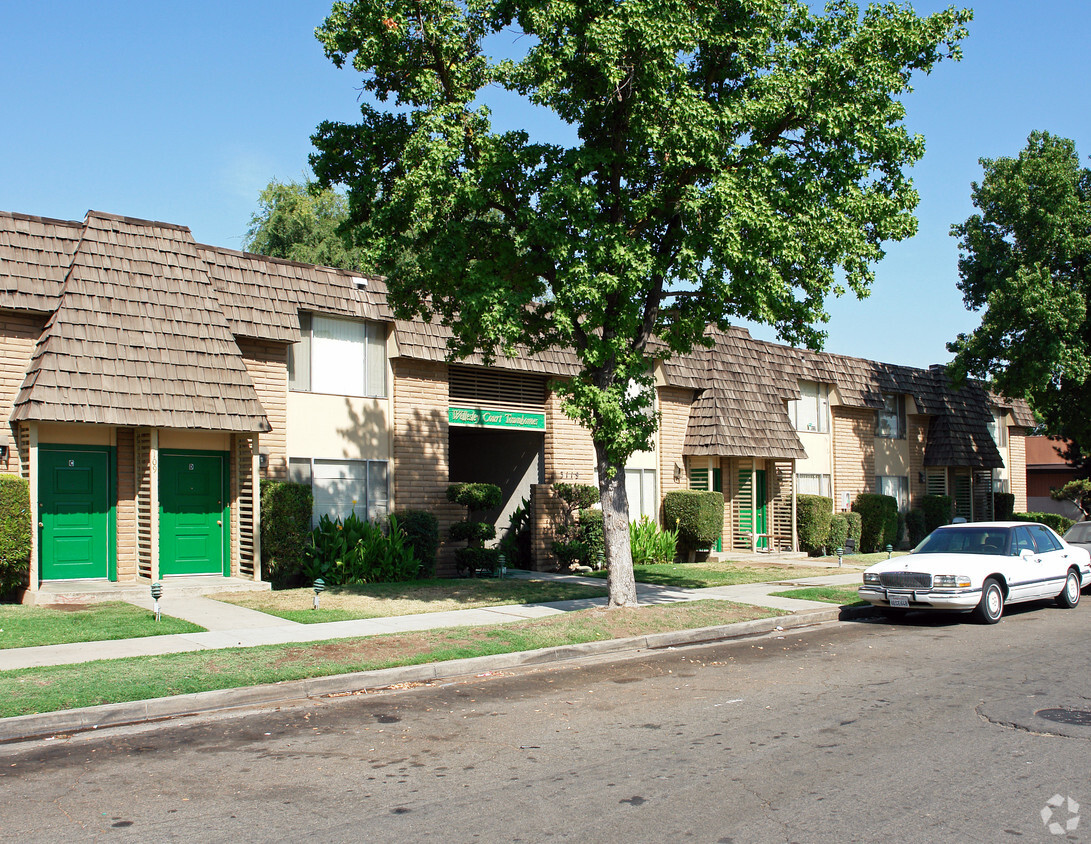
{"x": 980, "y": 566}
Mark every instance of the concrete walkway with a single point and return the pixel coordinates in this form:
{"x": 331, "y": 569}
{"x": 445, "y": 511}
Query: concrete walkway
{"x": 230, "y": 626}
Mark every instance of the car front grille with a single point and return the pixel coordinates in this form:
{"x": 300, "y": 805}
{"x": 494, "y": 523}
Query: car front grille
{"x": 905, "y": 580}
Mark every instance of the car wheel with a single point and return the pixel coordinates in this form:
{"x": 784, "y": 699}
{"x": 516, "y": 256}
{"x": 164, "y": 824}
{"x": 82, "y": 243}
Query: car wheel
{"x": 1070, "y": 595}
{"x": 991, "y": 606}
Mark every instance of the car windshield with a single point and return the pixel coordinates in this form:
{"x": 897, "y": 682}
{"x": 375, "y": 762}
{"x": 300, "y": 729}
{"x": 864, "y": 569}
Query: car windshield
{"x": 965, "y": 540}
{"x": 1079, "y": 532}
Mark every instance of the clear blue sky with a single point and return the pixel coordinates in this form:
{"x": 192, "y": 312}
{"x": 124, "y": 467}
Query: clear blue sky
{"x": 183, "y": 112}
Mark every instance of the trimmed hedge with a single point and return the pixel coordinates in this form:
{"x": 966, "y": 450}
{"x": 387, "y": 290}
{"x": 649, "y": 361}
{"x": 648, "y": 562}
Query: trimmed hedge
{"x": 1059, "y": 523}
{"x": 879, "y": 520}
{"x": 15, "y": 534}
{"x": 915, "y": 527}
{"x": 422, "y": 533}
{"x": 839, "y": 530}
{"x": 1003, "y": 506}
{"x": 476, "y": 497}
{"x": 813, "y": 516}
{"x": 697, "y": 516}
{"x": 285, "y": 531}
{"x": 856, "y": 527}
{"x": 937, "y": 511}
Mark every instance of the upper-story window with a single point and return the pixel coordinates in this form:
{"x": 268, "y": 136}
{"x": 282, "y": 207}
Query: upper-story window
{"x": 339, "y": 356}
{"x": 811, "y": 411}
{"x": 998, "y": 429}
{"x": 890, "y": 421}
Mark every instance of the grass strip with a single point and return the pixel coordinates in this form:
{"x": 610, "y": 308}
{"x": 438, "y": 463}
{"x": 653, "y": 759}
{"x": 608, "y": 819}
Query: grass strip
{"x": 844, "y": 596}
{"x": 384, "y": 600}
{"x": 719, "y": 573}
{"x": 25, "y": 627}
{"x": 48, "y": 689}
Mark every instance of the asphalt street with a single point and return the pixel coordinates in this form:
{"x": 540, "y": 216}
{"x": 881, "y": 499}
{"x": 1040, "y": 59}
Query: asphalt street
{"x": 920, "y": 731}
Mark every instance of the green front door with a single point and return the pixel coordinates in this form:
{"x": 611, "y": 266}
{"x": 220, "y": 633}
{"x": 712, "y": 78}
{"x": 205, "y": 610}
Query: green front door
{"x": 718, "y": 486}
{"x": 761, "y": 522}
{"x": 74, "y": 511}
{"x": 192, "y": 516}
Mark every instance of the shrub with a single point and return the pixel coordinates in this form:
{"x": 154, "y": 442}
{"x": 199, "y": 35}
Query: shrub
{"x": 583, "y": 542}
{"x": 813, "y": 516}
{"x": 839, "y": 530}
{"x": 577, "y": 496}
{"x": 15, "y": 534}
{"x": 650, "y": 544}
{"x": 1003, "y": 506}
{"x": 879, "y": 520}
{"x": 937, "y": 511}
{"x": 355, "y": 551}
{"x": 422, "y": 533}
{"x": 856, "y": 527}
{"x": 475, "y": 498}
{"x": 915, "y": 527}
{"x": 697, "y": 516}
{"x": 1059, "y": 523}
{"x": 285, "y": 531}
{"x": 472, "y": 559}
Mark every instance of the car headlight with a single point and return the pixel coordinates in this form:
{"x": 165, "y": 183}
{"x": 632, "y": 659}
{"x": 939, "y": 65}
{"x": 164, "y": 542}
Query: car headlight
{"x": 871, "y": 579}
{"x": 951, "y": 580}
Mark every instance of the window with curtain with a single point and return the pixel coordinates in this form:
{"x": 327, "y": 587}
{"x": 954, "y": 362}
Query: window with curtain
{"x": 338, "y": 356}
{"x": 811, "y": 411}
{"x": 640, "y": 490}
{"x": 341, "y": 487}
{"x": 890, "y": 421}
{"x": 897, "y": 487}
{"x": 813, "y": 485}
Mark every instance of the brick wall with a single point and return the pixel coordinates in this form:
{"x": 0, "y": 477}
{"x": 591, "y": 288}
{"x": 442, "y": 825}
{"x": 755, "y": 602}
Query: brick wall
{"x": 267, "y": 364}
{"x": 569, "y": 452}
{"x": 853, "y": 452}
{"x": 18, "y": 335}
{"x": 1017, "y": 466}
{"x": 422, "y": 448}
{"x": 674, "y": 407}
{"x": 918, "y": 439}
{"x": 546, "y": 511}
{"x": 126, "y": 505}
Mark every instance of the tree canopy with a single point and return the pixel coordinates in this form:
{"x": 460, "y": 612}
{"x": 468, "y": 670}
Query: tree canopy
{"x": 735, "y": 159}
{"x": 303, "y": 222}
{"x": 1025, "y": 262}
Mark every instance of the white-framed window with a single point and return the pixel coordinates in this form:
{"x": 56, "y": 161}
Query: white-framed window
{"x": 998, "y": 429}
{"x": 813, "y": 485}
{"x": 890, "y": 421}
{"x": 343, "y": 357}
{"x": 640, "y": 490}
{"x": 341, "y": 487}
{"x": 896, "y": 486}
{"x": 811, "y": 411}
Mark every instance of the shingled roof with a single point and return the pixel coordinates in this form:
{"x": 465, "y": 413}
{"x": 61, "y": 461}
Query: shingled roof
{"x": 138, "y": 338}
{"x": 36, "y": 253}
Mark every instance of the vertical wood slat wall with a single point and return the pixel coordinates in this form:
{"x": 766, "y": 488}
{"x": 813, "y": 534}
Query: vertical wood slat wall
{"x": 245, "y": 495}
{"x": 781, "y": 497}
{"x": 144, "y": 520}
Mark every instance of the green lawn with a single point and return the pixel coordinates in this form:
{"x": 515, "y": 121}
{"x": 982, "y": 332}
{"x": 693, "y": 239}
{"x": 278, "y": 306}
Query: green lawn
{"x": 383, "y": 600}
{"x": 842, "y": 595}
{"x": 48, "y": 689}
{"x": 720, "y": 573}
{"x": 24, "y": 627}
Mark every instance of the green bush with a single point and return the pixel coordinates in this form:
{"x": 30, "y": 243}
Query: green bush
{"x": 1059, "y": 523}
{"x": 856, "y": 527}
{"x": 813, "y": 516}
{"x": 422, "y": 533}
{"x": 839, "y": 531}
{"x": 650, "y": 544}
{"x": 472, "y": 559}
{"x": 937, "y": 511}
{"x": 15, "y": 534}
{"x": 285, "y": 531}
{"x": 698, "y": 517}
{"x": 472, "y": 532}
{"x": 915, "y": 527}
{"x": 583, "y": 542}
{"x": 355, "y": 551}
{"x": 476, "y": 497}
{"x": 577, "y": 496}
{"x": 1003, "y": 506}
{"x": 878, "y": 519}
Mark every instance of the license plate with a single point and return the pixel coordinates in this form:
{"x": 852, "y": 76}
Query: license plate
{"x": 899, "y": 601}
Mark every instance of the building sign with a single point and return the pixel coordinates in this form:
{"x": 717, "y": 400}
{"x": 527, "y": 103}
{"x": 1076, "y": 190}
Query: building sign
{"x": 479, "y": 418}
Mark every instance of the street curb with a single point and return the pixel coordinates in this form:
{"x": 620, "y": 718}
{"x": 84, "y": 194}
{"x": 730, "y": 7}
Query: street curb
{"x": 68, "y": 721}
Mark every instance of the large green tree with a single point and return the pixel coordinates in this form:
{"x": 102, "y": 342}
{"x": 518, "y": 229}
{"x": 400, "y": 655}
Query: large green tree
{"x": 1025, "y": 262}
{"x": 732, "y": 159}
{"x": 302, "y": 221}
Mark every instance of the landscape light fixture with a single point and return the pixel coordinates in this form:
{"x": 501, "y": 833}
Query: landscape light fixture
{"x": 157, "y": 592}
{"x": 319, "y": 587}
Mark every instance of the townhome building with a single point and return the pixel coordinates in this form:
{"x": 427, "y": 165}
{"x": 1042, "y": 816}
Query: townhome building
{"x": 148, "y": 383}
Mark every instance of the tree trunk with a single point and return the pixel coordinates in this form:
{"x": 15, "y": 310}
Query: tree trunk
{"x": 615, "y": 527}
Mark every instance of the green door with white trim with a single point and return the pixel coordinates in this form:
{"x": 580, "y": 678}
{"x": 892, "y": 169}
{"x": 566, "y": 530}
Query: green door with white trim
{"x": 192, "y": 515}
{"x": 74, "y": 513}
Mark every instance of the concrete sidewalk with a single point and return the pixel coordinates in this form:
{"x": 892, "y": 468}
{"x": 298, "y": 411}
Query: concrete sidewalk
{"x": 230, "y": 626}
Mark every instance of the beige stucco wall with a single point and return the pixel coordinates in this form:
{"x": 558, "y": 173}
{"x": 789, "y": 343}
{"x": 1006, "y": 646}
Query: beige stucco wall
{"x": 891, "y": 457}
{"x": 339, "y": 427}
{"x": 183, "y": 440}
{"x": 819, "y": 459}
{"x": 56, "y": 433}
